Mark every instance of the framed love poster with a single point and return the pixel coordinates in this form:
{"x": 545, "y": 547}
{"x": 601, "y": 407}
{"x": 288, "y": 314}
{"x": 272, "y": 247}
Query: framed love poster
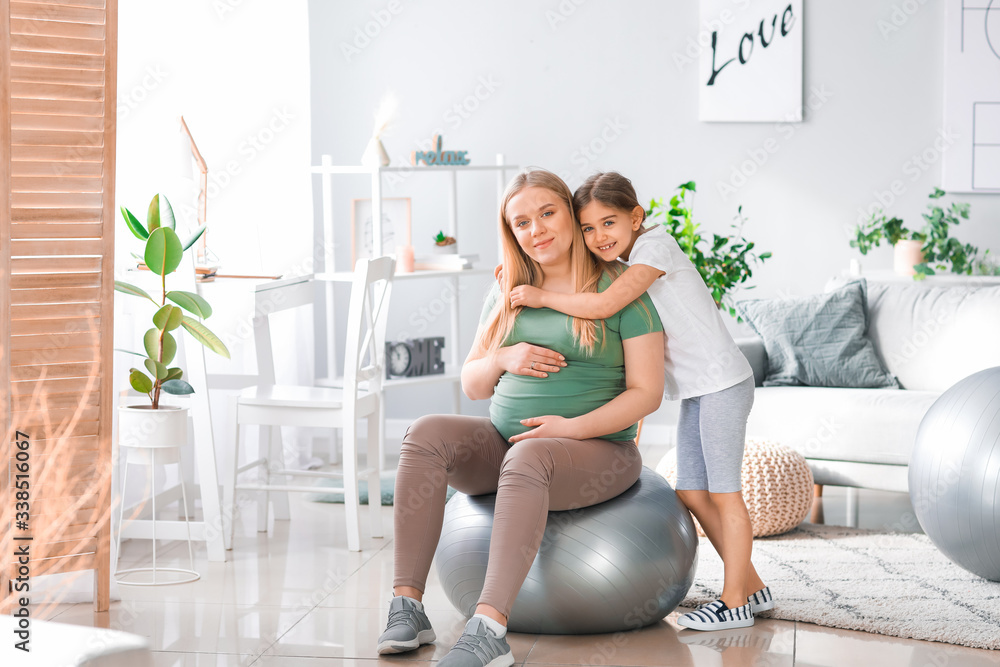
{"x": 750, "y": 67}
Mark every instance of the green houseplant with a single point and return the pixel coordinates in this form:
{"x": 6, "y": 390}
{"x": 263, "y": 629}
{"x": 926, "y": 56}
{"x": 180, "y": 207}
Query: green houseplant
{"x": 921, "y": 253}
{"x": 725, "y": 262}
{"x": 162, "y": 255}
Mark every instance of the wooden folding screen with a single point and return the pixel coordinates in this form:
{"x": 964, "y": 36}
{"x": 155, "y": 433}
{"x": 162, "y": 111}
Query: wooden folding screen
{"x": 57, "y": 214}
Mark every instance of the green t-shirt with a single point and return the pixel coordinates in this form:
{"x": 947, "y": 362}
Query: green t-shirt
{"x": 586, "y": 383}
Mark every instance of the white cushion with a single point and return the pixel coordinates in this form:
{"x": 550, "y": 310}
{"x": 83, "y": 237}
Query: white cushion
{"x": 932, "y": 337}
{"x": 65, "y": 645}
{"x": 863, "y": 425}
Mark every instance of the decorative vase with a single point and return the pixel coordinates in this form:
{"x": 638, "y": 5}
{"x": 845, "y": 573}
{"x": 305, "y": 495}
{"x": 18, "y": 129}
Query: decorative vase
{"x": 907, "y": 254}
{"x": 375, "y": 155}
{"x": 404, "y": 259}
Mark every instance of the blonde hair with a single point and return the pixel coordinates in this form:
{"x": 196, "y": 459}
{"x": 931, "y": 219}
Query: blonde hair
{"x": 520, "y": 269}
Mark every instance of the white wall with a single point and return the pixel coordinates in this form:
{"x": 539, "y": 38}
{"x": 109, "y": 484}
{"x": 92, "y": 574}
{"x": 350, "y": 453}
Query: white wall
{"x": 608, "y": 79}
{"x": 239, "y": 73}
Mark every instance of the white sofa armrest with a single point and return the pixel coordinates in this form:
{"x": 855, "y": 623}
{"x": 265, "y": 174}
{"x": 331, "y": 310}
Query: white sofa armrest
{"x": 753, "y": 349}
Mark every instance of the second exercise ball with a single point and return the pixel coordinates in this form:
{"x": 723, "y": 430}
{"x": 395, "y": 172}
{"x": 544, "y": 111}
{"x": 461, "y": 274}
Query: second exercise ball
{"x": 619, "y": 565}
{"x": 954, "y": 473}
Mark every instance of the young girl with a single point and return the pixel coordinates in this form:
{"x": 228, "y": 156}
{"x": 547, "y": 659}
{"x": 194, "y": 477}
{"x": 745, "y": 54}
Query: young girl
{"x": 704, "y": 368}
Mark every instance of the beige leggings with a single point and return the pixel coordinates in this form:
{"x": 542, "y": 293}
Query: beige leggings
{"x": 529, "y": 478}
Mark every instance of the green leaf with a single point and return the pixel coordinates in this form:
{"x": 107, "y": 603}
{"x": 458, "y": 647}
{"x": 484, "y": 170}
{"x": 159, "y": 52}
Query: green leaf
{"x": 140, "y": 381}
{"x": 177, "y": 387}
{"x": 169, "y": 348}
{"x": 168, "y": 318}
{"x": 151, "y": 341}
{"x": 163, "y": 251}
{"x": 193, "y": 303}
{"x": 134, "y": 225}
{"x": 161, "y": 316}
{"x": 174, "y": 321}
{"x": 205, "y": 337}
{"x": 194, "y": 237}
{"x": 157, "y": 369}
{"x": 153, "y": 213}
{"x": 127, "y": 288}
{"x": 118, "y": 349}
{"x": 688, "y": 186}
{"x": 160, "y": 213}
{"x": 174, "y": 373}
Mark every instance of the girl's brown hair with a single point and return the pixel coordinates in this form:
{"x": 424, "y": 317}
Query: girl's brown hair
{"x": 615, "y": 191}
{"x": 520, "y": 269}
{"x": 611, "y": 189}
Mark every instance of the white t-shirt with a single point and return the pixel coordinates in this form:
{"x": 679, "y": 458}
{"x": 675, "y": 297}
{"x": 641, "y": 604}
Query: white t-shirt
{"x": 700, "y": 354}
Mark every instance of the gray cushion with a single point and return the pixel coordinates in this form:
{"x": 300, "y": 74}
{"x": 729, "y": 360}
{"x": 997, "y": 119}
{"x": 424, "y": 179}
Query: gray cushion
{"x": 818, "y": 340}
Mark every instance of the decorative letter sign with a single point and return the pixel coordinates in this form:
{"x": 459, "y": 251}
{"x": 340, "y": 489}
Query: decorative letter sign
{"x": 752, "y": 71}
{"x": 438, "y": 157}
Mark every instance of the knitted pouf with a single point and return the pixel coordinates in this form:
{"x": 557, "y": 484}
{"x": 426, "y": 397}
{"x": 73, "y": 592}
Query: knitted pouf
{"x": 777, "y": 486}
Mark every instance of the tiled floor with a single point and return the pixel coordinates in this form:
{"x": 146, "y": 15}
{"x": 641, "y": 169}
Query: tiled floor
{"x": 296, "y": 597}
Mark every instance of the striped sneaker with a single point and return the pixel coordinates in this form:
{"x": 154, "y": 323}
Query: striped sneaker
{"x": 762, "y": 600}
{"x": 717, "y": 616}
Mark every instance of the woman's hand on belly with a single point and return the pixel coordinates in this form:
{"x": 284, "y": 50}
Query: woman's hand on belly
{"x": 528, "y": 359}
{"x": 547, "y": 426}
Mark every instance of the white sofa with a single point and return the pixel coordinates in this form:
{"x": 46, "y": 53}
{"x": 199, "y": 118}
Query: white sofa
{"x": 929, "y": 335}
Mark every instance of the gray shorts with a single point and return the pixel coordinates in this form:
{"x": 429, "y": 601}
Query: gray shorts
{"x": 710, "y": 439}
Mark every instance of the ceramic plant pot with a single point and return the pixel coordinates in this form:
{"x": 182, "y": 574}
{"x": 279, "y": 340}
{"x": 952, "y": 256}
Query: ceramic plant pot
{"x": 158, "y": 434}
{"x": 449, "y": 249}
{"x": 907, "y": 254}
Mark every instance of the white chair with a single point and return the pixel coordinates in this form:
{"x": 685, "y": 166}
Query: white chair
{"x": 360, "y": 396}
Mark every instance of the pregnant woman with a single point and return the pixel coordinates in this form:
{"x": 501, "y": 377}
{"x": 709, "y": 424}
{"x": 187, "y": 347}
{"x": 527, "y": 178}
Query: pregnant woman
{"x": 566, "y": 394}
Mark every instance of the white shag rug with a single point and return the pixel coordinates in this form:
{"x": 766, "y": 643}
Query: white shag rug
{"x": 895, "y": 584}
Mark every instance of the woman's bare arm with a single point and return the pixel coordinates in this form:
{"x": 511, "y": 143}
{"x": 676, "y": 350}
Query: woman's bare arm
{"x": 482, "y": 371}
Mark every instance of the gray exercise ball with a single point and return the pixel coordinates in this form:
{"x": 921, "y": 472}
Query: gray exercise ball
{"x": 955, "y": 473}
{"x": 619, "y": 565}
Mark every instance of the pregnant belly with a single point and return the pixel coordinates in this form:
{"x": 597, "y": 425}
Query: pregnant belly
{"x": 573, "y": 391}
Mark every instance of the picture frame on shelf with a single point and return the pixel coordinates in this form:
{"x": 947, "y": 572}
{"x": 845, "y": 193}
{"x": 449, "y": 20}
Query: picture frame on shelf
{"x": 395, "y": 226}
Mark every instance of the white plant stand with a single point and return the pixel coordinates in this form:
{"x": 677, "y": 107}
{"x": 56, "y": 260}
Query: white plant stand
{"x": 162, "y": 447}
{"x": 210, "y": 529}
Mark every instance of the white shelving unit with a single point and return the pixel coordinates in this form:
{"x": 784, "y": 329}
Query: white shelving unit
{"x": 328, "y": 171}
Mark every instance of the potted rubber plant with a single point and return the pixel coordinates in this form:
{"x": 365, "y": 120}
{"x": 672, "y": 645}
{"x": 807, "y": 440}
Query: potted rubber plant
{"x": 726, "y": 262}
{"x": 171, "y": 311}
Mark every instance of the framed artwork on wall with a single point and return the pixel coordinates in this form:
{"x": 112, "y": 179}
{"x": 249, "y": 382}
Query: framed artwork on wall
{"x": 969, "y": 142}
{"x": 750, "y": 69}
{"x": 395, "y": 227}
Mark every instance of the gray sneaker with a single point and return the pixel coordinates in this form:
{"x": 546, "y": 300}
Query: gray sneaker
{"x": 408, "y": 627}
{"x": 478, "y": 647}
